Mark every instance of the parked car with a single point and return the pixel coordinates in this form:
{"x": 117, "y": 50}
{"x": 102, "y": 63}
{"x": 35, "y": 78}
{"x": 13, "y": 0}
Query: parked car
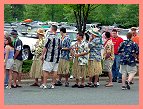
{"x": 28, "y": 46}
{"x": 122, "y": 33}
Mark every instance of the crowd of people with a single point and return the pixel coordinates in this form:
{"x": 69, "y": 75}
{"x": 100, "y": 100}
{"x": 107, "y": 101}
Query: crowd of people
{"x": 53, "y": 55}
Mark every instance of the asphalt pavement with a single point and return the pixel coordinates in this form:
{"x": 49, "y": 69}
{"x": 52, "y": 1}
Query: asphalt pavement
{"x": 75, "y": 96}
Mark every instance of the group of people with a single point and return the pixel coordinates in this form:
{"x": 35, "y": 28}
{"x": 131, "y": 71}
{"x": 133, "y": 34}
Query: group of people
{"x": 53, "y": 55}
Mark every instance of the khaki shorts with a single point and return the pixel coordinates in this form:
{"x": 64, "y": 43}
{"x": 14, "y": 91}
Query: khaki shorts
{"x": 126, "y": 69}
{"x": 50, "y": 66}
{"x": 17, "y": 66}
{"x": 9, "y": 64}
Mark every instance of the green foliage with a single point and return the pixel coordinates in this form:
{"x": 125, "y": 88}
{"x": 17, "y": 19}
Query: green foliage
{"x": 26, "y": 66}
{"x": 106, "y": 14}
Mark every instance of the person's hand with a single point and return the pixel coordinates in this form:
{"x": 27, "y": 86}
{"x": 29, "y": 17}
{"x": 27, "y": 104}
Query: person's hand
{"x": 77, "y": 55}
{"x": 90, "y": 39}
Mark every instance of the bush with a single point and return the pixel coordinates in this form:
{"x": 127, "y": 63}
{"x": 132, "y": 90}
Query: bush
{"x": 26, "y": 66}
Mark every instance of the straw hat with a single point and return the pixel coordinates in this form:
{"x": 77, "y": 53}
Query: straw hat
{"x": 40, "y": 31}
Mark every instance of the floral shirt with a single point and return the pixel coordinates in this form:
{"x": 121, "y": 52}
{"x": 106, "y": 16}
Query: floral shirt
{"x": 95, "y": 47}
{"x": 108, "y": 50}
{"x": 66, "y": 43}
{"x": 39, "y": 47}
{"x": 128, "y": 50}
{"x": 82, "y": 47}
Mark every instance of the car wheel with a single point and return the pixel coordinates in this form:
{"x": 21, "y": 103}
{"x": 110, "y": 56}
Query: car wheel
{"x": 25, "y": 53}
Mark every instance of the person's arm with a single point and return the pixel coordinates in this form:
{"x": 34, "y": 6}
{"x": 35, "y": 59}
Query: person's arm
{"x": 45, "y": 50}
{"x": 16, "y": 54}
{"x": 18, "y": 49}
{"x": 85, "y": 51}
{"x": 7, "y": 49}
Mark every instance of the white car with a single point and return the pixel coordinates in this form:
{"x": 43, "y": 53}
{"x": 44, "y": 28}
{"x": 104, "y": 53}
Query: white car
{"x": 28, "y": 46}
{"x": 122, "y": 33}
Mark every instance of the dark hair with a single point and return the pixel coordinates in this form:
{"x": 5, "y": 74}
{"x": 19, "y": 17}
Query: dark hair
{"x": 80, "y": 34}
{"x": 107, "y": 34}
{"x": 9, "y": 41}
{"x": 114, "y": 30}
{"x": 14, "y": 32}
{"x": 129, "y": 35}
{"x": 54, "y": 27}
{"x": 63, "y": 29}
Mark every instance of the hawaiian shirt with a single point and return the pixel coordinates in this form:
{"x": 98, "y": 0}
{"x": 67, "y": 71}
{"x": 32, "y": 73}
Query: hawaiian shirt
{"x": 52, "y": 44}
{"x": 66, "y": 43}
{"x": 108, "y": 50}
{"x": 80, "y": 48}
{"x": 95, "y": 47}
{"x": 128, "y": 50}
{"x": 39, "y": 47}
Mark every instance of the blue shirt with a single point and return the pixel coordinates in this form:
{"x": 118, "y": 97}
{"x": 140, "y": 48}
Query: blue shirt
{"x": 127, "y": 51}
{"x": 66, "y": 43}
{"x": 95, "y": 47}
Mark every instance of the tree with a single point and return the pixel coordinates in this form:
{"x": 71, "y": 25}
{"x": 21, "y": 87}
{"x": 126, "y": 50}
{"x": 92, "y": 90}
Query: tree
{"x": 81, "y": 14}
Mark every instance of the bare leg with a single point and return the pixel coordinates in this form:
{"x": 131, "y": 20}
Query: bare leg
{"x": 131, "y": 76}
{"x": 96, "y": 79}
{"x": 124, "y": 77}
{"x": 82, "y": 81}
{"x": 45, "y": 76}
{"x": 10, "y": 78}
{"x": 15, "y": 74}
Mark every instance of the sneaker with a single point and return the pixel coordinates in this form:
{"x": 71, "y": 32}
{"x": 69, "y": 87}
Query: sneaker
{"x": 74, "y": 86}
{"x": 119, "y": 81}
{"x": 124, "y": 87}
{"x": 128, "y": 86}
{"x": 71, "y": 77}
{"x": 81, "y": 86}
{"x": 59, "y": 83}
{"x": 51, "y": 86}
{"x": 43, "y": 86}
{"x": 66, "y": 84}
{"x": 8, "y": 87}
{"x": 98, "y": 84}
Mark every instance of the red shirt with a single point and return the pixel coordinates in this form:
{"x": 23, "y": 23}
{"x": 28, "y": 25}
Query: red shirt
{"x": 116, "y": 41}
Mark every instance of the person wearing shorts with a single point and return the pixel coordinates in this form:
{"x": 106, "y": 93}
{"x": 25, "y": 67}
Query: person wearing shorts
{"x": 129, "y": 52}
{"x": 9, "y": 53}
{"x": 50, "y": 57}
{"x": 108, "y": 57}
{"x": 18, "y": 60}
